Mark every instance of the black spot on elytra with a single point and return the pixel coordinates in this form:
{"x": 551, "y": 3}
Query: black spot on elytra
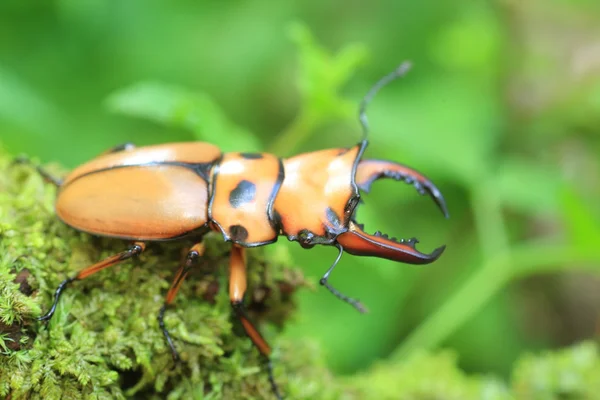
{"x": 244, "y": 192}
{"x": 251, "y": 156}
{"x": 238, "y": 233}
{"x": 332, "y": 217}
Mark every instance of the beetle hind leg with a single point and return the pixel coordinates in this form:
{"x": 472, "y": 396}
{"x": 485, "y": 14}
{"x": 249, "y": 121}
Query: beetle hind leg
{"x": 237, "y": 289}
{"x": 191, "y": 260}
{"x": 136, "y": 249}
{"x": 43, "y": 173}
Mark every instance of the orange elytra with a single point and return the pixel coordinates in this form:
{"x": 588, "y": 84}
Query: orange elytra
{"x": 183, "y": 190}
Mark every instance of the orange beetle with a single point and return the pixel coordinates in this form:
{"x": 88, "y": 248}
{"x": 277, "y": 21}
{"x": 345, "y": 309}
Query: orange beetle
{"x": 183, "y": 190}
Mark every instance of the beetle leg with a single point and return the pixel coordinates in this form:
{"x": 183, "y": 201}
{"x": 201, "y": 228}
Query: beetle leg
{"x": 47, "y": 176}
{"x": 324, "y": 282}
{"x": 134, "y": 250}
{"x": 237, "y": 289}
{"x": 191, "y": 260}
{"x": 121, "y": 147}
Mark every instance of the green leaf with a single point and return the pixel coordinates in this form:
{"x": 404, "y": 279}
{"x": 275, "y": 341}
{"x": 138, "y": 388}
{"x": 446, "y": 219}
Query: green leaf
{"x": 581, "y": 225}
{"x": 320, "y": 79}
{"x": 446, "y": 125}
{"x": 24, "y": 107}
{"x": 322, "y": 74}
{"x": 178, "y": 107}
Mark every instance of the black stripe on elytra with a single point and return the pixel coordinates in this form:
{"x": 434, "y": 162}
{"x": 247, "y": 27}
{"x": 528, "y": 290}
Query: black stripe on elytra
{"x": 251, "y": 156}
{"x": 201, "y": 169}
{"x": 273, "y": 215}
{"x": 244, "y": 192}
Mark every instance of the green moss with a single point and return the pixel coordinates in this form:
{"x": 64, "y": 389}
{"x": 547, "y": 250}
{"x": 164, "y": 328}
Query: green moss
{"x": 572, "y": 373}
{"x": 425, "y": 376}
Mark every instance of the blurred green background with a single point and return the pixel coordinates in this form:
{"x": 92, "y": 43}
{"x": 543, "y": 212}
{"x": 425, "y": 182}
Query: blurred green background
{"x": 501, "y": 111}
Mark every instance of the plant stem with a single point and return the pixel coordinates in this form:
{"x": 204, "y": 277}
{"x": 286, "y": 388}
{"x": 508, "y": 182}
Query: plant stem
{"x": 294, "y": 135}
{"x": 525, "y": 260}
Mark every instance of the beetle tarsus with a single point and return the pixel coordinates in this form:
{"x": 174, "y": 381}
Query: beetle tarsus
{"x": 133, "y": 250}
{"x": 191, "y": 260}
{"x": 165, "y": 331}
{"x": 57, "y": 293}
{"x": 274, "y": 386}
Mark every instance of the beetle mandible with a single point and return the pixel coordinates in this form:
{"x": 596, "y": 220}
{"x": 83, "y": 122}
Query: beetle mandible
{"x": 184, "y": 190}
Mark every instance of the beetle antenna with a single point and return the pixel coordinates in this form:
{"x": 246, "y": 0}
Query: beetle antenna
{"x": 397, "y": 73}
{"x": 324, "y": 282}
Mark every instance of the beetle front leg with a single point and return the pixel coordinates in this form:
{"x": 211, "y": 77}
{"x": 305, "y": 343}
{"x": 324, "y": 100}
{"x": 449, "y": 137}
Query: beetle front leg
{"x": 237, "y": 289}
{"x": 191, "y": 260}
{"x": 324, "y": 282}
{"x": 136, "y": 249}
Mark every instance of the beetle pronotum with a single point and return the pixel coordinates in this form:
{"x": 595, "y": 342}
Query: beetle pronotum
{"x": 183, "y": 190}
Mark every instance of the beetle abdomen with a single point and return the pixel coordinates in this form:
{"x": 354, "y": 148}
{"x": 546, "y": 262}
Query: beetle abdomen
{"x": 149, "y": 202}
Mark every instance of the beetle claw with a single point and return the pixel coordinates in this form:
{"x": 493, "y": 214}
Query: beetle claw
{"x": 369, "y": 171}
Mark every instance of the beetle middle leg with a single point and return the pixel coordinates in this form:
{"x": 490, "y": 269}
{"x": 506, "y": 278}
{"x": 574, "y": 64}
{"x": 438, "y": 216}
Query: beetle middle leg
{"x": 237, "y": 289}
{"x": 136, "y": 249}
{"x": 324, "y": 282}
{"x": 191, "y": 260}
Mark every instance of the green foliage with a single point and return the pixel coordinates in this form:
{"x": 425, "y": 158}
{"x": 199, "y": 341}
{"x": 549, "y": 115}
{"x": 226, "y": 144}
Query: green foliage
{"x": 178, "y": 107}
{"x": 319, "y": 81}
